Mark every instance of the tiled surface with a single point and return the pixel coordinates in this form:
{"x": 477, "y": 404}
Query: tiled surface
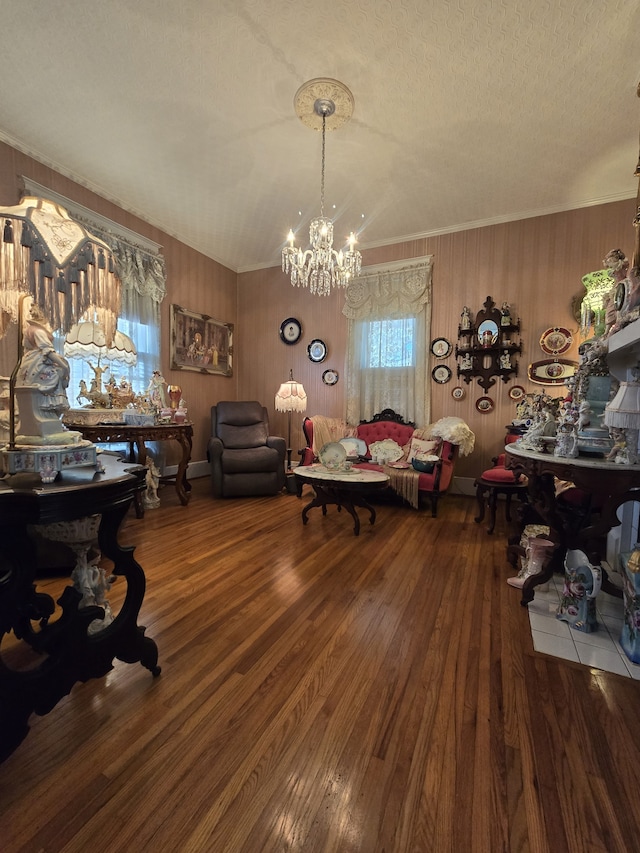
{"x": 600, "y": 649}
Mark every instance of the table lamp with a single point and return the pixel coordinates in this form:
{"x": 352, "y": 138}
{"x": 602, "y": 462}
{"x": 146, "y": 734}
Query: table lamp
{"x": 623, "y": 413}
{"x": 68, "y": 275}
{"x": 291, "y": 397}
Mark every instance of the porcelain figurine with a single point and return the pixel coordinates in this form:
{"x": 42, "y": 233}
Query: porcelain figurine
{"x": 150, "y": 498}
{"x": 537, "y": 552}
{"x": 630, "y": 633}
{"x": 581, "y": 585}
{"x": 41, "y": 383}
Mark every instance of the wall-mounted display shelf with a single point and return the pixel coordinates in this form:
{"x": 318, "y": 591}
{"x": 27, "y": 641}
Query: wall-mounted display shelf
{"x": 487, "y": 346}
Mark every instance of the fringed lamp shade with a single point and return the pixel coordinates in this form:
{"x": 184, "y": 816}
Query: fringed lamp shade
{"x": 291, "y": 397}
{"x": 623, "y": 412}
{"x": 69, "y": 272}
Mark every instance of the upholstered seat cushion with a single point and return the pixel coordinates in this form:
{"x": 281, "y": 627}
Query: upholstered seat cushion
{"x": 254, "y": 459}
{"x": 498, "y": 475}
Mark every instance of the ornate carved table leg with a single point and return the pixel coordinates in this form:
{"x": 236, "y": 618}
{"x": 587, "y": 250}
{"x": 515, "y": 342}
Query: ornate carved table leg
{"x": 71, "y": 651}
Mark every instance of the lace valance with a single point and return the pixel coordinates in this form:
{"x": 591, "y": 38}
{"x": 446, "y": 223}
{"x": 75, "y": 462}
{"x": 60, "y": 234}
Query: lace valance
{"x": 390, "y": 291}
{"x": 139, "y": 269}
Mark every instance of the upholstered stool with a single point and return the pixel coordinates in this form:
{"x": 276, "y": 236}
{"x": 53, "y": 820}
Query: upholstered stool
{"x": 493, "y": 482}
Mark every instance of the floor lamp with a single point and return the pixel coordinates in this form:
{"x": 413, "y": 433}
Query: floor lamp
{"x": 291, "y": 397}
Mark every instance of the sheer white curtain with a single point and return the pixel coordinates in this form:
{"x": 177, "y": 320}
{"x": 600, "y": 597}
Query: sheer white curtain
{"x": 389, "y": 313}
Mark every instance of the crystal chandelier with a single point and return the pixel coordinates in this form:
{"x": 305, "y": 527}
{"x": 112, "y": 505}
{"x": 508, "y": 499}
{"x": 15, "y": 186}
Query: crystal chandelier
{"x": 322, "y": 267}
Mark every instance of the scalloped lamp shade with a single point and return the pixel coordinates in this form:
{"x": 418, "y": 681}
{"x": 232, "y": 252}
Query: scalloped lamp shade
{"x": 87, "y": 340}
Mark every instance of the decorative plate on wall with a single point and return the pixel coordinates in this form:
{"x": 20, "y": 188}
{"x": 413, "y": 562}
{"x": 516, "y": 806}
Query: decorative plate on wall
{"x": 458, "y": 393}
{"x": 517, "y": 392}
{"x": 551, "y": 371}
{"x": 317, "y": 350}
{"x": 441, "y": 347}
{"x": 484, "y": 405}
{"x": 290, "y": 330}
{"x": 330, "y": 377}
{"x": 441, "y": 374}
{"x": 556, "y": 341}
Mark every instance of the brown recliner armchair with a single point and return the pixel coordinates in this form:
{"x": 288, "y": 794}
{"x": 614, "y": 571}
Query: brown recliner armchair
{"x": 245, "y": 459}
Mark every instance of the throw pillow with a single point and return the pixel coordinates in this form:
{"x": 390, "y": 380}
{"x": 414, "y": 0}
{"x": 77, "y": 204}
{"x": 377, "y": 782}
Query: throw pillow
{"x": 420, "y": 448}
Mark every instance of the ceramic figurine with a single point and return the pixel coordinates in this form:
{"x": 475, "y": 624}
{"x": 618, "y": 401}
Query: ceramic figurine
{"x": 465, "y": 319}
{"x": 467, "y": 362}
{"x": 41, "y": 383}
{"x": 505, "y": 312}
{"x": 150, "y": 498}
{"x": 630, "y": 633}
{"x": 537, "y": 552}
{"x": 156, "y": 392}
{"x": 581, "y": 585}
{"x": 567, "y": 442}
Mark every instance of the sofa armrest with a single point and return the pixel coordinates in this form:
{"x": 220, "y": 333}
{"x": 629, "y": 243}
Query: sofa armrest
{"x": 306, "y": 456}
{"x": 448, "y": 457}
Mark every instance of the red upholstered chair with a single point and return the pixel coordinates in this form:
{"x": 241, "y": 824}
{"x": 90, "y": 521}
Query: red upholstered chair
{"x": 495, "y": 481}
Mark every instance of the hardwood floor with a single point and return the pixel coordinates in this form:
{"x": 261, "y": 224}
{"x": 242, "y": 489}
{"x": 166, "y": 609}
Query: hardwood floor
{"x": 326, "y": 692}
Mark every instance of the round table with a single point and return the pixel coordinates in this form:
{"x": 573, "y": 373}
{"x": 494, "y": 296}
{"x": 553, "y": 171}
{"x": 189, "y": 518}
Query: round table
{"x": 346, "y": 489}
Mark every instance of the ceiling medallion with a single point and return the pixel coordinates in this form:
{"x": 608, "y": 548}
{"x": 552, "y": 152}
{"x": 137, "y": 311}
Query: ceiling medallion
{"x": 322, "y": 104}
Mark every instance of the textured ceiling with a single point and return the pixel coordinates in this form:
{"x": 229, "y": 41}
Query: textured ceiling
{"x": 466, "y": 111}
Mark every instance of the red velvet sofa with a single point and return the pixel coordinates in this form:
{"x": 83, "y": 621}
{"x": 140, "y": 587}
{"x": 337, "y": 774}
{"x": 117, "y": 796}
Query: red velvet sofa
{"x": 388, "y": 424}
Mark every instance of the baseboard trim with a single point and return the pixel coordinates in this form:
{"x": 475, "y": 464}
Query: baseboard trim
{"x": 463, "y": 486}
{"x": 194, "y": 470}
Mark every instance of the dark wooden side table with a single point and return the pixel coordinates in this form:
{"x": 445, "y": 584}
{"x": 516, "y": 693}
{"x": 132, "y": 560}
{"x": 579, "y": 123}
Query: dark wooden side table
{"x": 136, "y": 436}
{"x": 70, "y": 653}
{"x": 613, "y": 484}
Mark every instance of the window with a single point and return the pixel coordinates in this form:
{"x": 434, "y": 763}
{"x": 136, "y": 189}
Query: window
{"x": 389, "y": 343}
{"x": 389, "y": 312}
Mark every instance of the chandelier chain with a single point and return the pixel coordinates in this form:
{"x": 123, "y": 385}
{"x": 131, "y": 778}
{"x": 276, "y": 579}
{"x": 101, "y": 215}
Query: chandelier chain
{"x": 324, "y": 122}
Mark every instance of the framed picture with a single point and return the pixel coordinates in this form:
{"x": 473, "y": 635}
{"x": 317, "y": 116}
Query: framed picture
{"x": 200, "y": 343}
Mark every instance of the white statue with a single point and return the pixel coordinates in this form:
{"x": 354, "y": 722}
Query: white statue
{"x": 41, "y": 383}
{"x": 584, "y": 415}
{"x": 567, "y": 442}
{"x": 155, "y": 390}
{"x": 150, "y": 498}
{"x": 465, "y": 319}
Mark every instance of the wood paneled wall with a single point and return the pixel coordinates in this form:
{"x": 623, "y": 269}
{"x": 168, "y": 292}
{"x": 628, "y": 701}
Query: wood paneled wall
{"x": 193, "y": 281}
{"x": 535, "y": 264}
